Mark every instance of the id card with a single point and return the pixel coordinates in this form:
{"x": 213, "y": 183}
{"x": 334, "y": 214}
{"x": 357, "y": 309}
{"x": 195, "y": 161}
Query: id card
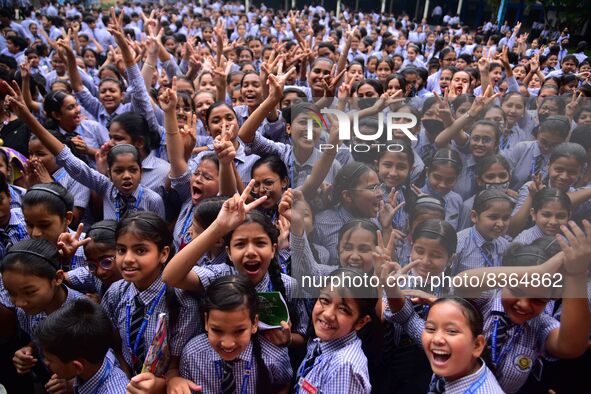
{"x": 307, "y": 387}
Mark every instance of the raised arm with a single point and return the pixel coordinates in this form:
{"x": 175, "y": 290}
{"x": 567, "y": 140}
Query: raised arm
{"x": 178, "y": 271}
{"x": 249, "y": 127}
{"x": 73, "y": 73}
{"x": 26, "y": 88}
{"x": 174, "y": 143}
{"x": 571, "y": 339}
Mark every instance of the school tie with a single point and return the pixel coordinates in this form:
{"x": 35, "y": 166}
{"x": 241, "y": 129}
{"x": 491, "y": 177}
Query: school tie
{"x": 309, "y": 362}
{"x": 488, "y": 251}
{"x": 505, "y": 141}
{"x": 538, "y": 164}
{"x": 127, "y": 203}
{"x": 137, "y": 318}
{"x": 427, "y": 152}
{"x": 437, "y": 385}
{"x": 228, "y": 383}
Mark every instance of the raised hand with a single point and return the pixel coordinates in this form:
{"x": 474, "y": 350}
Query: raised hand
{"x": 577, "y": 252}
{"x": 68, "y": 243}
{"x": 168, "y": 98}
{"x": 14, "y": 98}
{"x": 223, "y": 145}
{"x": 234, "y": 210}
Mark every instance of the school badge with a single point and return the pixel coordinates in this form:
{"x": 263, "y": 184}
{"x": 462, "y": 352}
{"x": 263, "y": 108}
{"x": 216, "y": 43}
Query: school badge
{"x": 523, "y": 363}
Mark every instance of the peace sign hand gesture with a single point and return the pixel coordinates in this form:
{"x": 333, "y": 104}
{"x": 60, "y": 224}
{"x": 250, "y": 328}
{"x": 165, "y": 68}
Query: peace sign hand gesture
{"x": 68, "y": 243}
{"x": 235, "y": 209}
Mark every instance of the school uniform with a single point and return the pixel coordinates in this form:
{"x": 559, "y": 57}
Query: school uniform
{"x": 109, "y": 379}
{"x": 16, "y": 196}
{"x": 154, "y": 173}
{"x": 526, "y": 159}
{"x": 482, "y": 381}
{"x": 472, "y": 252}
{"x": 511, "y": 137}
{"x": 452, "y": 202}
{"x": 113, "y": 201}
{"x": 4, "y": 296}
{"x": 299, "y": 171}
{"x": 266, "y": 128}
{"x": 93, "y": 105}
{"x": 304, "y": 263}
{"x": 466, "y": 184}
{"x": 298, "y": 314}
{"x": 243, "y": 160}
{"x": 182, "y": 186}
{"x": 92, "y": 132}
{"x": 15, "y": 231}
{"x": 528, "y": 236}
{"x": 424, "y": 147}
{"x": 327, "y": 224}
{"x": 80, "y": 279}
{"x": 524, "y": 344}
{"x": 121, "y": 302}
{"x": 465, "y": 219}
{"x": 80, "y": 192}
{"x": 202, "y": 364}
{"x": 340, "y": 366}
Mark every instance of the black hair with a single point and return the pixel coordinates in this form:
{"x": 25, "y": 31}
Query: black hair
{"x": 103, "y": 232}
{"x": 519, "y": 255}
{"x": 274, "y": 162}
{"x": 399, "y": 78}
{"x": 579, "y": 111}
{"x": 548, "y": 244}
{"x": 123, "y": 149}
{"x": 37, "y": 257}
{"x": 484, "y": 199}
{"x": 555, "y": 124}
{"x": 582, "y": 135}
{"x": 207, "y": 210}
{"x": 405, "y": 149}
{"x": 472, "y": 314}
{"x": 78, "y": 330}
{"x": 549, "y": 194}
{"x": 4, "y": 184}
{"x": 214, "y": 106}
{"x": 570, "y": 149}
{"x": 56, "y": 198}
{"x": 231, "y": 293}
{"x": 483, "y": 164}
{"x": 347, "y": 177}
{"x": 52, "y": 102}
{"x": 446, "y": 156}
{"x": 293, "y": 111}
{"x": 377, "y": 85}
{"x": 425, "y": 204}
{"x": 438, "y": 230}
{"x": 357, "y": 224}
{"x": 137, "y": 127}
{"x": 118, "y": 82}
{"x": 273, "y": 233}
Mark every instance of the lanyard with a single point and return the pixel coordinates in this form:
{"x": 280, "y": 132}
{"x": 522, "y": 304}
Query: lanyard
{"x": 489, "y": 263}
{"x": 104, "y": 377}
{"x": 188, "y": 220}
{"x": 245, "y": 377}
{"x": 497, "y": 358}
{"x": 60, "y": 174}
{"x": 476, "y": 385}
{"x": 140, "y": 334}
{"x": 136, "y": 205}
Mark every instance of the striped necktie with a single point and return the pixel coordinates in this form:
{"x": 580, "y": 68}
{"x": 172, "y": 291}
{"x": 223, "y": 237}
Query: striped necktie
{"x": 228, "y": 383}
{"x": 309, "y": 362}
{"x": 437, "y": 385}
{"x": 487, "y": 250}
{"x": 137, "y": 318}
{"x": 538, "y": 164}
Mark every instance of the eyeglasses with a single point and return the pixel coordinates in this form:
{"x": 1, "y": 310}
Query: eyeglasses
{"x": 481, "y": 139}
{"x": 105, "y": 264}
{"x": 267, "y": 184}
{"x": 371, "y": 188}
{"x": 205, "y": 175}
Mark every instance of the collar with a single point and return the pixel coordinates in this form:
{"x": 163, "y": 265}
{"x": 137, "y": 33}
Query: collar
{"x": 135, "y": 193}
{"x": 497, "y": 308}
{"x": 16, "y": 218}
{"x": 245, "y": 356}
{"x": 537, "y": 231}
{"x": 479, "y": 240}
{"x": 312, "y": 159}
{"x": 263, "y": 285}
{"x": 150, "y": 162}
{"x": 148, "y": 295}
{"x": 457, "y": 384}
{"x": 98, "y": 378}
{"x": 336, "y": 344}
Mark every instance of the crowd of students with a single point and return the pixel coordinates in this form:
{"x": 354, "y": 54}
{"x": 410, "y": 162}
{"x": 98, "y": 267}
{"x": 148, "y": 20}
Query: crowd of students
{"x": 167, "y": 160}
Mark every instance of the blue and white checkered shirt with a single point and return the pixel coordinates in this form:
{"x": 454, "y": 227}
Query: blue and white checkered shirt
{"x": 527, "y": 237}
{"x": 469, "y": 253}
{"x": 80, "y": 192}
{"x": 80, "y": 279}
{"x": 340, "y": 368}
{"x": 155, "y": 172}
{"x": 482, "y": 381}
{"x": 452, "y": 202}
{"x": 201, "y": 364}
{"x": 522, "y": 158}
{"x": 109, "y": 379}
{"x": 122, "y": 293}
{"x": 94, "y": 180}
{"x": 298, "y": 312}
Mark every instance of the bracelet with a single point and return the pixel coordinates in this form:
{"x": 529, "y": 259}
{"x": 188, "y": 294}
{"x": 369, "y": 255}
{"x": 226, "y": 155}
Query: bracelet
{"x": 150, "y": 65}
